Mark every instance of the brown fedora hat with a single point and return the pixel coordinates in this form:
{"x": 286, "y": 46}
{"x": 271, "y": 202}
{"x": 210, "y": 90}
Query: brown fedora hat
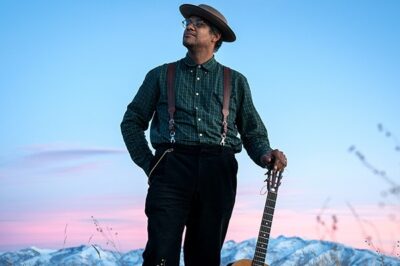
{"x": 213, "y": 16}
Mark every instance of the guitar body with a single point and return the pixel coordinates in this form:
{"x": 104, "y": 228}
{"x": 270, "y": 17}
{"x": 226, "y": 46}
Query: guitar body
{"x": 243, "y": 262}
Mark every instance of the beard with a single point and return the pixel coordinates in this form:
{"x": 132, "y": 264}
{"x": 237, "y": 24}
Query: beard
{"x": 187, "y": 44}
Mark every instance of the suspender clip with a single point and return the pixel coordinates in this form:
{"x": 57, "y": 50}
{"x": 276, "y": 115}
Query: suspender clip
{"x": 172, "y": 135}
{"x": 222, "y": 143}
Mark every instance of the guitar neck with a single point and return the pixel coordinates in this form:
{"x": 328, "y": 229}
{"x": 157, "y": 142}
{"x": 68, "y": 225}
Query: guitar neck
{"x": 265, "y": 229}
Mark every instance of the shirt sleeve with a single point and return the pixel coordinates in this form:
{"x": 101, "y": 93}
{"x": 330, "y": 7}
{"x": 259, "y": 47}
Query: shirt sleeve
{"x": 136, "y": 120}
{"x": 250, "y": 126}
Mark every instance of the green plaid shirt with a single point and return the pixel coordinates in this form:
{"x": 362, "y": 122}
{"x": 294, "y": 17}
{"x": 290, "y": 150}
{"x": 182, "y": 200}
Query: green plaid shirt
{"x": 198, "y": 115}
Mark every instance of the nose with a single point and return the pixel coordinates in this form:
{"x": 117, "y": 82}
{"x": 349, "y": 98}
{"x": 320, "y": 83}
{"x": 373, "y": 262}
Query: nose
{"x": 190, "y": 26}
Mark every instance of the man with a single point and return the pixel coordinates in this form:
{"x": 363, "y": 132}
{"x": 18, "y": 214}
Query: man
{"x": 192, "y": 176}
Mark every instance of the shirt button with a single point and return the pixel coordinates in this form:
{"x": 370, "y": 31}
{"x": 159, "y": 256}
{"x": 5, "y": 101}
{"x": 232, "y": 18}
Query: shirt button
{"x": 199, "y": 66}
{"x": 191, "y": 71}
{"x": 196, "y": 108}
{"x": 197, "y": 94}
{"x": 199, "y": 119}
{"x": 200, "y": 134}
{"x": 198, "y": 78}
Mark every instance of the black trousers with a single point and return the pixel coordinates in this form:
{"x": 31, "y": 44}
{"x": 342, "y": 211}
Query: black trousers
{"x": 192, "y": 188}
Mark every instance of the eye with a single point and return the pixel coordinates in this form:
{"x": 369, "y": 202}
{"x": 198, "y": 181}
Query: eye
{"x": 197, "y": 23}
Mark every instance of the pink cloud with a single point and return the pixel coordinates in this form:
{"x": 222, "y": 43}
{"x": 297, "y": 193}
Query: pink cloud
{"x": 46, "y": 229}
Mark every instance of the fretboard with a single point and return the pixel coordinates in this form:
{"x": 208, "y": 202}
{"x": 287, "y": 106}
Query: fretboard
{"x": 265, "y": 229}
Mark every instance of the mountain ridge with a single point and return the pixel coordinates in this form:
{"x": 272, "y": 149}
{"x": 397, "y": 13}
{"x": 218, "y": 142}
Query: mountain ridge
{"x": 282, "y": 251}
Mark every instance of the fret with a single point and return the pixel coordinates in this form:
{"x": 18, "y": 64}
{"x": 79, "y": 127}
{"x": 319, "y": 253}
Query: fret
{"x": 265, "y": 228}
{"x": 260, "y": 253}
{"x": 270, "y": 207}
{"x": 257, "y": 262}
{"x": 260, "y": 238}
{"x": 266, "y": 221}
{"x": 271, "y": 201}
{"x": 264, "y": 232}
{"x": 266, "y": 224}
{"x": 269, "y": 212}
{"x": 264, "y": 236}
{"x": 262, "y": 241}
{"x": 259, "y": 258}
{"x": 262, "y": 247}
{"x": 268, "y": 215}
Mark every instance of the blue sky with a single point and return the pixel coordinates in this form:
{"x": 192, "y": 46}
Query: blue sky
{"x": 323, "y": 74}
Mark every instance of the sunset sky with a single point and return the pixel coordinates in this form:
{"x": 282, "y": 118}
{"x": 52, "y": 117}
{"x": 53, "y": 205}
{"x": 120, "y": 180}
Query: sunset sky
{"x": 324, "y": 77}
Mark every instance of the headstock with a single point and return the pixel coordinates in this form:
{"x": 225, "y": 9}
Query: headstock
{"x": 273, "y": 180}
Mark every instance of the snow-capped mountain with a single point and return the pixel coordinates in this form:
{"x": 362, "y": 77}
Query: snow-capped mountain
{"x": 283, "y": 251}
{"x": 289, "y": 251}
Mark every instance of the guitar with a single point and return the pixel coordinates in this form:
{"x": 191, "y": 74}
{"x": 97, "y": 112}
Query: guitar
{"x": 273, "y": 181}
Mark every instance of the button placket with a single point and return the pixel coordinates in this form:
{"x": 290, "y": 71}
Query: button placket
{"x": 196, "y": 79}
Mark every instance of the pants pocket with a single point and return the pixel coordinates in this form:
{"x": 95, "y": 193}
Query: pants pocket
{"x": 156, "y": 164}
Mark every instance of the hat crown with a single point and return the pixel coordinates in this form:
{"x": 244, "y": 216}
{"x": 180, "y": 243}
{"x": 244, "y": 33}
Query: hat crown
{"x": 214, "y": 12}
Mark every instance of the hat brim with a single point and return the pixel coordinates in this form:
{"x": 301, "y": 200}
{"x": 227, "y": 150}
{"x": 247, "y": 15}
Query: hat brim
{"x": 227, "y": 33}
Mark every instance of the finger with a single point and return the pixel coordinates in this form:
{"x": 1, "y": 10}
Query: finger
{"x": 282, "y": 159}
{"x": 279, "y": 165}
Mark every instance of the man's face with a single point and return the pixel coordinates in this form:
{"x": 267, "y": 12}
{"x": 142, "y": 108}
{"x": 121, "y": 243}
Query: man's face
{"x": 197, "y": 34}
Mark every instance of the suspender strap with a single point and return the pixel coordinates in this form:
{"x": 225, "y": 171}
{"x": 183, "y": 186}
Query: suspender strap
{"x": 225, "y": 107}
{"x": 171, "y": 99}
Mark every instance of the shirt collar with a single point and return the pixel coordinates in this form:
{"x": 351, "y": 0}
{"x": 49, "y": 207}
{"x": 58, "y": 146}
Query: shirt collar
{"x": 209, "y": 65}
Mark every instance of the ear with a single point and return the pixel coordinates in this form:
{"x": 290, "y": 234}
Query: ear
{"x": 216, "y": 37}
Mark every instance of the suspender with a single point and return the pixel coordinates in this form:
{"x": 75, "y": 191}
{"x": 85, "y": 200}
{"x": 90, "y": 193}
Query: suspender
{"x": 171, "y": 101}
{"x": 225, "y": 107}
